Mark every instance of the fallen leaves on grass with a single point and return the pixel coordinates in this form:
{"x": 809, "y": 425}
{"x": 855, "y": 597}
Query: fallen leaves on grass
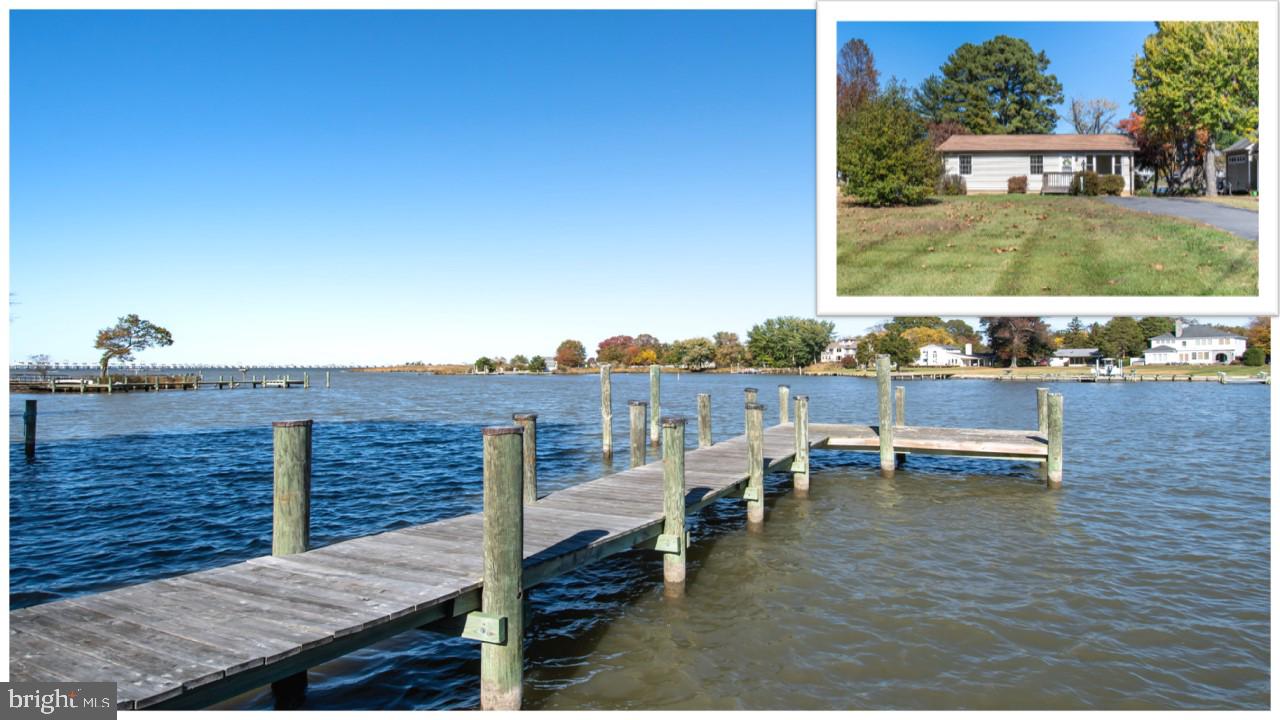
{"x": 1001, "y": 251}
{"x": 1158, "y": 267}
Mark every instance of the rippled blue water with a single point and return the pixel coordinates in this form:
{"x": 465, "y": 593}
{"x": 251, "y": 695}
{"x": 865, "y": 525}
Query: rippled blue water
{"x": 1144, "y": 583}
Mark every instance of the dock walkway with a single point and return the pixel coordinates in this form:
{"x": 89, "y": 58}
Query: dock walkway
{"x": 200, "y": 638}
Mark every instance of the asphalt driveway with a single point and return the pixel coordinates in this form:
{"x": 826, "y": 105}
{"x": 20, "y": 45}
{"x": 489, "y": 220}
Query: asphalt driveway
{"x": 1235, "y": 221}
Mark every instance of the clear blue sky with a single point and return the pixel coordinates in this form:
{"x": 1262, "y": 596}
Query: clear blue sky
{"x": 1091, "y": 59}
{"x": 392, "y": 186}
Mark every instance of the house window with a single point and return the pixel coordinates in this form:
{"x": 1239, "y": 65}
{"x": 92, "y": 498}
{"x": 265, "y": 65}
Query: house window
{"x": 1037, "y": 164}
{"x": 966, "y": 164}
{"x": 1102, "y": 164}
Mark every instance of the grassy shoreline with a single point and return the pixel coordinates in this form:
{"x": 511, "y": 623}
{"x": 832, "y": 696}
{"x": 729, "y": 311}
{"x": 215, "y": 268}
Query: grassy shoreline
{"x": 1034, "y": 245}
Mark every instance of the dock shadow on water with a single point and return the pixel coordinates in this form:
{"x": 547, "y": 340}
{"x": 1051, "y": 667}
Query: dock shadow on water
{"x": 957, "y": 583}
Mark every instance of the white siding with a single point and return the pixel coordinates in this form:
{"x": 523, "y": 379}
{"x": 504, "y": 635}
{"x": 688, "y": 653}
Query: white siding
{"x": 991, "y": 171}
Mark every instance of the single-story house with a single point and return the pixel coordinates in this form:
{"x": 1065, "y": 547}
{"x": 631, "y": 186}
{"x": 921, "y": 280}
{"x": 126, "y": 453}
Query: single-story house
{"x": 1194, "y": 345}
{"x": 1242, "y": 166}
{"x": 986, "y": 162}
{"x": 1075, "y": 356}
{"x": 840, "y": 349}
{"x": 934, "y": 355}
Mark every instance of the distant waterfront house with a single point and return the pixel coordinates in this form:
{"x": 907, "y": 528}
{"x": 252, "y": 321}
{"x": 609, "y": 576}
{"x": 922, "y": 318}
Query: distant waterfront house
{"x": 1075, "y": 356}
{"x": 1242, "y": 166}
{"x": 1194, "y": 345}
{"x": 986, "y": 162}
{"x": 840, "y": 349}
{"x": 934, "y": 355}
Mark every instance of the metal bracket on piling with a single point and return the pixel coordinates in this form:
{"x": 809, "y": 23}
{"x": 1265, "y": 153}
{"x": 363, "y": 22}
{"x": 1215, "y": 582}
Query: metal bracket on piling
{"x": 485, "y": 628}
{"x": 671, "y": 543}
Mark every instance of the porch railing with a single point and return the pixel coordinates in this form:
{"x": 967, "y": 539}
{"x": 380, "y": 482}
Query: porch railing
{"x": 1056, "y": 182}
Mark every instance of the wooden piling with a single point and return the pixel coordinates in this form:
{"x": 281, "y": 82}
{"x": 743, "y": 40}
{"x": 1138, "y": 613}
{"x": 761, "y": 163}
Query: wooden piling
{"x": 326, "y": 379}
{"x": 755, "y": 466}
{"x": 291, "y": 520}
{"x": 784, "y": 404}
{"x": 704, "y": 420}
{"x": 899, "y": 419}
{"x": 306, "y": 381}
{"x": 502, "y": 663}
{"x": 800, "y": 466}
{"x": 1055, "y": 441}
{"x": 528, "y": 422}
{"x": 639, "y": 409}
{"x": 674, "y": 538}
{"x": 751, "y": 395}
{"x": 1042, "y": 423}
{"x": 29, "y": 427}
{"x": 291, "y": 512}
{"x": 886, "y": 416}
{"x": 606, "y": 408}
{"x": 655, "y": 392}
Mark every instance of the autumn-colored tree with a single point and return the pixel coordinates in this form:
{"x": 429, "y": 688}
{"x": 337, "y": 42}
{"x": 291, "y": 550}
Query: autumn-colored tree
{"x": 570, "y": 354}
{"x": 130, "y": 334}
{"x": 856, "y": 78}
{"x": 1258, "y": 334}
{"x": 643, "y": 342}
{"x": 647, "y": 356}
{"x": 1198, "y": 81}
{"x": 920, "y": 336}
{"x": 1018, "y": 338}
{"x": 939, "y": 132}
{"x": 614, "y": 349}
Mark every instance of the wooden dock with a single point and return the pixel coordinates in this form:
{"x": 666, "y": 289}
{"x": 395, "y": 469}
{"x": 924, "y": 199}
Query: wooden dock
{"x": 156, "y": 383}
{"x": 193, "y": 640}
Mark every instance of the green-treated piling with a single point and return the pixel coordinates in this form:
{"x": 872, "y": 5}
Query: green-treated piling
{"x": 784, "y": 403}
{"x": 306, "y": 381}
{"x": 755, "y": 466}
{"x": 606, "y": 408}
{"x": 291, "y": 519}
{"x": 1042, "y": 424}
{"x": 502, "y": 664}
{"x": 886, "y": 416}
{"x": 899, "y": 419}
{"x": 655, "y": 393}
{"x": 639, "y": 409}
{"x": 1055, "y": 440}
{"x": 673, "y": 531}
{"x": 704, "y": 420}
{"x": 800, "y": 466}
{"x": 528, "y": 422}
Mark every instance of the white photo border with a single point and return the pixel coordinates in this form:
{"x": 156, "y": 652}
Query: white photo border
{"x": 831, "y": 12}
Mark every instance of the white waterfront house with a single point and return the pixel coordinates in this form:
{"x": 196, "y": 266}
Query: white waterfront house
{"x": 1194, "y": 345}
{"x": 986, "y": 162}
{"x": 1075, "y": 356}
{"x": 935, "y": 355}
{"x": 840, "y": 349}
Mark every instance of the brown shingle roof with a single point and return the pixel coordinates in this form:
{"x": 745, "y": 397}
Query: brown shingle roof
{"x": 1033, "y": 143}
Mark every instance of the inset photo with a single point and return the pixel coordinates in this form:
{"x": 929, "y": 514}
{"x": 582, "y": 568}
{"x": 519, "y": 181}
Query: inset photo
{"x": 996, "y": 151}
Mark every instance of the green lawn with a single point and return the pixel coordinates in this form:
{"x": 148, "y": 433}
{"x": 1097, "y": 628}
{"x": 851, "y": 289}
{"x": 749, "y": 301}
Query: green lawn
{"x": 1034, "y": 245}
